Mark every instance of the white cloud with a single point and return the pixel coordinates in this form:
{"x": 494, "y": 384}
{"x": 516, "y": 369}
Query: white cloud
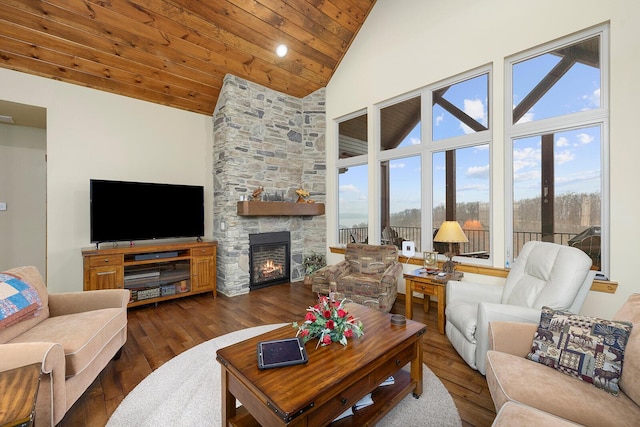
{"x": 526, "y": 158}
{"x": 478, "y": 172}
{"x": 528, "y": 117}
{"x": 396, "y": 165}
{"x": 415, "y": 141}
{"x": 593, "y": 99}
{"x": 564, "y": 157}
{"x": 583, "y": 176}
{"x": 349, "y": 188}
{"x": 527, "y": 176}
{"x": 562, "y": 142}
{"x": 474, "y": 109}
{"x": 527, "y": 154}
{"x": 584, "y": 138}
{"x": 475, "y": 187}
{"x": 439, "y": 119}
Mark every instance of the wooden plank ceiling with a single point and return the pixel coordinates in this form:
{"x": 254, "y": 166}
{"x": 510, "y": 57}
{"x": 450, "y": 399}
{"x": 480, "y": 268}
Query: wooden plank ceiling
{"x": 177, "y": 52}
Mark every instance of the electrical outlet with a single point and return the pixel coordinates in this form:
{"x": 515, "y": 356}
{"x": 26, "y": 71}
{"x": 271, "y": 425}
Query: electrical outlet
{"x": 408, "y": 248}
{"x": 3, "y": 206}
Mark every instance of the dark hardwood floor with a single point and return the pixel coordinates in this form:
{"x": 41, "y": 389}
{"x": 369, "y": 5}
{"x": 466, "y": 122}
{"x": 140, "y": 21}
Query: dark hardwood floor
{"x": 158, "y": 333}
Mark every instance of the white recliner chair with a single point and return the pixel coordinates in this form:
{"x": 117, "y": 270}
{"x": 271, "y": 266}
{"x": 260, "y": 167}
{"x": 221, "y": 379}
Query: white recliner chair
{"x": 544, "y": 274}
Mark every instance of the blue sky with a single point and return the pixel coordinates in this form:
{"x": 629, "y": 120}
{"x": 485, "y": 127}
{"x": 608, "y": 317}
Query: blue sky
{"x": 577, "y": 152}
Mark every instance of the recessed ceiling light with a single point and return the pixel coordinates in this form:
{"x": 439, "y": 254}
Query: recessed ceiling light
{"x": 281, "y": 50}
{"x": 7, "y": 119}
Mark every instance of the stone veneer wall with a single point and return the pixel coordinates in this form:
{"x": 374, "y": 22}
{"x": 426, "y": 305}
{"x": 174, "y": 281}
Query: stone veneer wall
{"x": 263, "y": 138}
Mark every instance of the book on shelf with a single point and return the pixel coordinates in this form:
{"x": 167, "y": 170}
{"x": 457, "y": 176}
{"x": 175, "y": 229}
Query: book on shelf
{"x": 345, "y": 414}
{"x": 388, "y": 381}
{"x": 362, "y": 403}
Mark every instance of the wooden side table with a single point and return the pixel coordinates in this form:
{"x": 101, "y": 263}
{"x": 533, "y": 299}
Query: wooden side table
{"x": 428, "y": 284}
{"x": 18, "y": 398}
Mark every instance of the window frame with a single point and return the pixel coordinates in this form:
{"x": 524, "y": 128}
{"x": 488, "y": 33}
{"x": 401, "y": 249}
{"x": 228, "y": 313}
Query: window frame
{"x": 458, "y": 142}
{"x": 348, "y": 162}
{"x": 395, "y": 154}
{"x": 593, "y": 117}
{"x": 426, "y": 149}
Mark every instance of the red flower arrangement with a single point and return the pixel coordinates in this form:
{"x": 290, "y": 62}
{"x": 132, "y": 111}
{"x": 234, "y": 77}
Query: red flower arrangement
{"x": 329, "y": 322}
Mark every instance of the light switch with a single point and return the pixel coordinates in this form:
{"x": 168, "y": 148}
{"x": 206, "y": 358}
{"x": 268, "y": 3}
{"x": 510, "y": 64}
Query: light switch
{"x": 3, "y": 206}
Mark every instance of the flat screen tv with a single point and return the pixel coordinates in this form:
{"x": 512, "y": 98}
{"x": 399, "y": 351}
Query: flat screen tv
{"x": 127, "y": 211}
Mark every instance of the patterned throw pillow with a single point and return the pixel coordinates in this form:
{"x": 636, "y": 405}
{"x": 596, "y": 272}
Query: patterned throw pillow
{"x": 586, "y": 348}
{"x": 18, "y": 300}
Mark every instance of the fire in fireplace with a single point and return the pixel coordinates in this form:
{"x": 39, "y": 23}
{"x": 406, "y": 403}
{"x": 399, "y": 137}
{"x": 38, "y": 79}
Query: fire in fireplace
{"x": 269, "y": 257}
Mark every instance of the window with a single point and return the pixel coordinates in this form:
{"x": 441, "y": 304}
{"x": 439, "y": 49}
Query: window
{"x": 468, "y": 200}
{"x": 460, "y": 108}
{"x": 557, "y": 130}
{"x": 401, "y": 199}
{"x": 352, "y": 137}
{"x": 400, "y": 173}
{"x": 457, "y": 180}
{"x": 353, "y": 187}
{"x": 461, "y": 172}
{"x": 353, "y": 204}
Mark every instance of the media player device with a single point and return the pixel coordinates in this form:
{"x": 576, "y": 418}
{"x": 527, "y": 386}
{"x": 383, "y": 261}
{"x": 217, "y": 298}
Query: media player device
{"x": 282, "y": 352}
{"x": 156, "y": 255}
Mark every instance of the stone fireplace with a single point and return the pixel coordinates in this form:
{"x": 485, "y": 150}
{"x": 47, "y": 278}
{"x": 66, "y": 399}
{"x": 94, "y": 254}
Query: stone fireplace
{"x": 263, "y": 138}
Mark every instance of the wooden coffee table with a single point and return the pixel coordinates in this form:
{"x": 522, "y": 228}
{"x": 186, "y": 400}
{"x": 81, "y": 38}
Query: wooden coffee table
{"x": 333, "y": 380}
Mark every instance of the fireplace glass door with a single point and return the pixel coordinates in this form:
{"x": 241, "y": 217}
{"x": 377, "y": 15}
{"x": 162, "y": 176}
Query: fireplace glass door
{"x": 269, "y": 255}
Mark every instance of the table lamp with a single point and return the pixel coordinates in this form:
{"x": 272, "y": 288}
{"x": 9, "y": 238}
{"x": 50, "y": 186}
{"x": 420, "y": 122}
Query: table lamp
{"x": 450, "y": 232}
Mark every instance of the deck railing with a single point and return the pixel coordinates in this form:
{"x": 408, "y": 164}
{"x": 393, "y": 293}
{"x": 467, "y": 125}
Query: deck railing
{"x": 478, "y": 245}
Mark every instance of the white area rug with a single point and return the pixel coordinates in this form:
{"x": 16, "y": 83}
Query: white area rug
{"x": 185, "y": 391}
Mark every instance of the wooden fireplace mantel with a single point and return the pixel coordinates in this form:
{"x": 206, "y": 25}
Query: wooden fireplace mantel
{"x": 257, "y": 208}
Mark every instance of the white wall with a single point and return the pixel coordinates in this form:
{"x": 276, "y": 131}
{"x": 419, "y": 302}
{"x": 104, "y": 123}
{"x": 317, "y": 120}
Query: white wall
{"x": 94, "y": 134}
{"x": 413, "y": 43}
{"x": 23, "y": 183}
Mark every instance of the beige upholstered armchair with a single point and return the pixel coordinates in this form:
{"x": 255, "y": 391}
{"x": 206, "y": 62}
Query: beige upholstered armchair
{"x": 368, "y": 275}
{"x": 73, "y": 336}
{"x": 544, "y": 274}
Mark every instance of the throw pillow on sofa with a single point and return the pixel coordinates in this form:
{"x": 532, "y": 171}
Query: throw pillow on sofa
{"x": 18, "y": 300}
{"x": 587, "y": 348}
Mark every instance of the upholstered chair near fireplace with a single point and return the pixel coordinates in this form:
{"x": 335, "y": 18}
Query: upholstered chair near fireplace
{"x": 368, "y": 275}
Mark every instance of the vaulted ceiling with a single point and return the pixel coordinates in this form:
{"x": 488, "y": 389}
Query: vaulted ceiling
{"x": 177, "y": 52}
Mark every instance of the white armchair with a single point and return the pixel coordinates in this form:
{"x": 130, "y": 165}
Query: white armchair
{"x": 544, "y": 274}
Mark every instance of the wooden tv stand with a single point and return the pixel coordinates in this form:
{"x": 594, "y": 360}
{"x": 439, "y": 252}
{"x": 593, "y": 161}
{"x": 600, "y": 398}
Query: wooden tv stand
{"x": 153, "y": 272}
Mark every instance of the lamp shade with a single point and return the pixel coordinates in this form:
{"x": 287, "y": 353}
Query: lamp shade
{"x": 450, "y": 232}
{"x": 473, "y": 225}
